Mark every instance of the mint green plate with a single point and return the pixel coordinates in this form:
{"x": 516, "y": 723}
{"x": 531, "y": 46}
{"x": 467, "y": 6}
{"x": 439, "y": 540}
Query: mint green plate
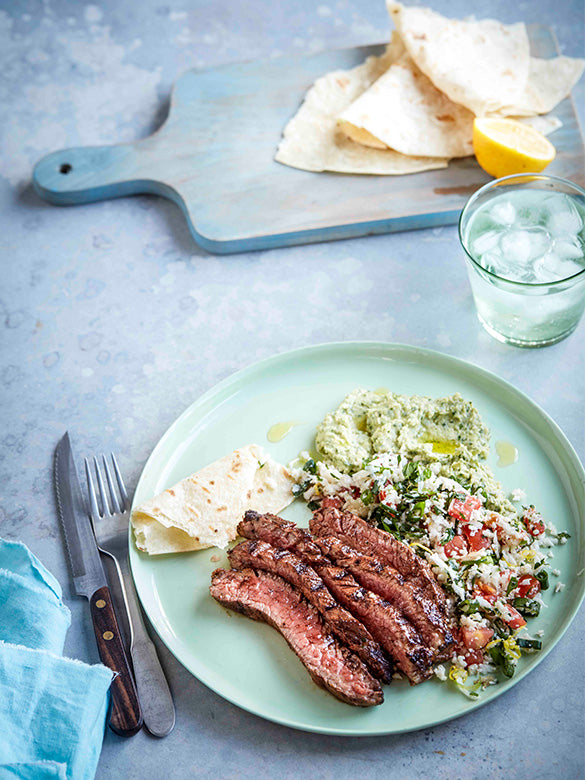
{"x": 247, "y": 662}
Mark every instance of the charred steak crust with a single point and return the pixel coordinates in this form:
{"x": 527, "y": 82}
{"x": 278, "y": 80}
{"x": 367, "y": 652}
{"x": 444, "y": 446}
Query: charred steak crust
{"x": 267, "y": 597}
{"x": 386, "y": 624}
{"x": 356, "y": 532}
{"x": 394, "y": 633}
{"x": 288, "y": 533}
{"x": 414, "y": 604}
{"x": 261, "y": 555}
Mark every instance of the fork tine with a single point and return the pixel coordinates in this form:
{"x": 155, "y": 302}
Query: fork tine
{"x": 93, "y": 505}
{"x": 102, "y": 489}
{"x": 113, "y": 496}
{"x": 123, "y": 493}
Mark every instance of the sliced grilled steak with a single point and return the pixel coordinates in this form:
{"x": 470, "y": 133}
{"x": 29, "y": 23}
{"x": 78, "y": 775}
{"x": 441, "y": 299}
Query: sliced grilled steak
{"x": 284, "y": 532}
{"x": 395, "y": 634}
{"x": 392, "y": 586}
{"x": 269, "y": 598}
{"x": 342, "y": 624}
{"x": 380, "y": 544}
{"x": 385, "y": 623}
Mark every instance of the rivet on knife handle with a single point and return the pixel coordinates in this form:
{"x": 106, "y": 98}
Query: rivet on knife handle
{"x": 125, "y": 715}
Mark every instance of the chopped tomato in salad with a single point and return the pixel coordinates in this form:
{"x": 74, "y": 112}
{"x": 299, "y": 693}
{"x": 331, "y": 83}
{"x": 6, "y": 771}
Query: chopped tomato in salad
{"x": 533, "y": 522}
{"x": 487, "y": 592}
{"x": 462, "y": 509}
{"x": 528, "y": 586}
{"x": 473, "y": 657}
{"x": 513, "y": 618}
{"x": 475, "y": 538}
{"x": 455, "y": 547}
{"x": 476, "y": 638}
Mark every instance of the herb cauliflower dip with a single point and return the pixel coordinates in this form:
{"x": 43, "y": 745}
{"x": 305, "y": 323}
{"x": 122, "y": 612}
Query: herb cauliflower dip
{"x": 447, "y": 432}
{"x": 413, "y": 466}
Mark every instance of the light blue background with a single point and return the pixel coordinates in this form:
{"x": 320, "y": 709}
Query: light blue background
{"x": 114, "y": 321}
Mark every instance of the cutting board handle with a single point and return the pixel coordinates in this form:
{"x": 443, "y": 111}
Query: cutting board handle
{"x": 90, "y": 173}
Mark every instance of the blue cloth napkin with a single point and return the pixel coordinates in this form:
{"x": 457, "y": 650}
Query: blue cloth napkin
{"x": 52, "y": 709}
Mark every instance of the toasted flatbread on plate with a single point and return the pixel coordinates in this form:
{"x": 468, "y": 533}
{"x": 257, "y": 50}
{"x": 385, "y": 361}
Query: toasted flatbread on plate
{"x": 204, "y": 509}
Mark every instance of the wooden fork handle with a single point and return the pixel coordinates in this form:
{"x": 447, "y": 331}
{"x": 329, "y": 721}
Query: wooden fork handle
{"x": 125, "y": 715}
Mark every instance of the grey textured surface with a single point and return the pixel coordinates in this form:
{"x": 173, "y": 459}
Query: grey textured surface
{"x": 113, "y": 321}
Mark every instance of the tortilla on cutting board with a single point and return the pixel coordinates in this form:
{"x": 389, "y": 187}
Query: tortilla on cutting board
{"x": 313, "y": 141}
{"x": 404, "y": 111}
{"x": 204, "y": 509}
{"x": 482, "y": 65}
{"x": 549, "y": 82}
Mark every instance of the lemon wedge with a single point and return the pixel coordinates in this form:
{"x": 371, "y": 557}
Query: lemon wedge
{"x": 504, "y": 147}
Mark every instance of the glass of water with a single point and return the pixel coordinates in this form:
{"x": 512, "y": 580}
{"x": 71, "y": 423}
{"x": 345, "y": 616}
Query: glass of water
{"x": 524, "y": 239}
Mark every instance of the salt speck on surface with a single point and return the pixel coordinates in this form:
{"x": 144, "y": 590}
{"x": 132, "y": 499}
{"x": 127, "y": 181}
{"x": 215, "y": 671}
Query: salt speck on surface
{"x": 93, "y": 14}
{"x": 444, "y": 340}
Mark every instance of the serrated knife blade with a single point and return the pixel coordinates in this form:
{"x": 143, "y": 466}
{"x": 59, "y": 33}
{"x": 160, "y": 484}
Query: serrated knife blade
{"x": 86, "y": 566}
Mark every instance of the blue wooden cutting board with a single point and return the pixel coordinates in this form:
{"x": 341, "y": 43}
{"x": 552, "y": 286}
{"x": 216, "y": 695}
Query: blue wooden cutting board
{"x": 214, "y": 157}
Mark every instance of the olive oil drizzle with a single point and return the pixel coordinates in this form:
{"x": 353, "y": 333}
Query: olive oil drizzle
{"x": 507, "y": 453}
{"x": 279, "y": 430}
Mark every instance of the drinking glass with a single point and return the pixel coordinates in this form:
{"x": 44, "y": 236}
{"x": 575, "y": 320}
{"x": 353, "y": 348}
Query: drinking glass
{"x": 528, "y": 312}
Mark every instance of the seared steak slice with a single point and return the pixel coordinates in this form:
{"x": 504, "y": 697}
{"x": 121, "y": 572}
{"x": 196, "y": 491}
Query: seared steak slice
{"x": 341, "y": 623}
{"x": 380, "y": 544}
{"x": 395, "y": 634}
{"x": 284, "y": 532}
{"x": 280, "y": 533}
{"x": 384, "y": 622}
{"x": 392, "y": 586}
{"x": 267, "y": 597}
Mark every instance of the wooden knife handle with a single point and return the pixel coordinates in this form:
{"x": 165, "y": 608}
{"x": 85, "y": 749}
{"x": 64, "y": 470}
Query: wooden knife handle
{"x": 125, "y": 715}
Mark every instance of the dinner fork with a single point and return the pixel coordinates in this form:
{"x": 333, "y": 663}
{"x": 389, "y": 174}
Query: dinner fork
{"x": 110, "y": 519}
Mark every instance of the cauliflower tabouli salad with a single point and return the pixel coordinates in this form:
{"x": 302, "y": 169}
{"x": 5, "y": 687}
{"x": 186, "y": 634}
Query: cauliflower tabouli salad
{"x": 413, "y": 466}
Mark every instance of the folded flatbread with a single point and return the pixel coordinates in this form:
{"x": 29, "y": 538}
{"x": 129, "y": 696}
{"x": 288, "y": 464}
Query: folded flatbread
{"x": 313, "y": 141}
{"x": 204, "y": 509}
{"x": 549, "y": 82}
{"x": 482, "y": 65}
{"x": 404, "y": 111}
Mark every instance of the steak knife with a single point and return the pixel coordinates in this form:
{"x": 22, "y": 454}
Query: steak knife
{"x": 90, "y": 581}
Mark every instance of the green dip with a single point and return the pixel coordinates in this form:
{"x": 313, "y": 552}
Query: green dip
{"x": 445, "y": 431}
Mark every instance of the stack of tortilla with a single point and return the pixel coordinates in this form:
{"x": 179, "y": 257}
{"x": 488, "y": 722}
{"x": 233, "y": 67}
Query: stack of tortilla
{"x": 412, "y": 108}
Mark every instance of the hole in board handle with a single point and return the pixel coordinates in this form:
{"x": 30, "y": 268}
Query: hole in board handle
{"x": 65, "y": 168}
